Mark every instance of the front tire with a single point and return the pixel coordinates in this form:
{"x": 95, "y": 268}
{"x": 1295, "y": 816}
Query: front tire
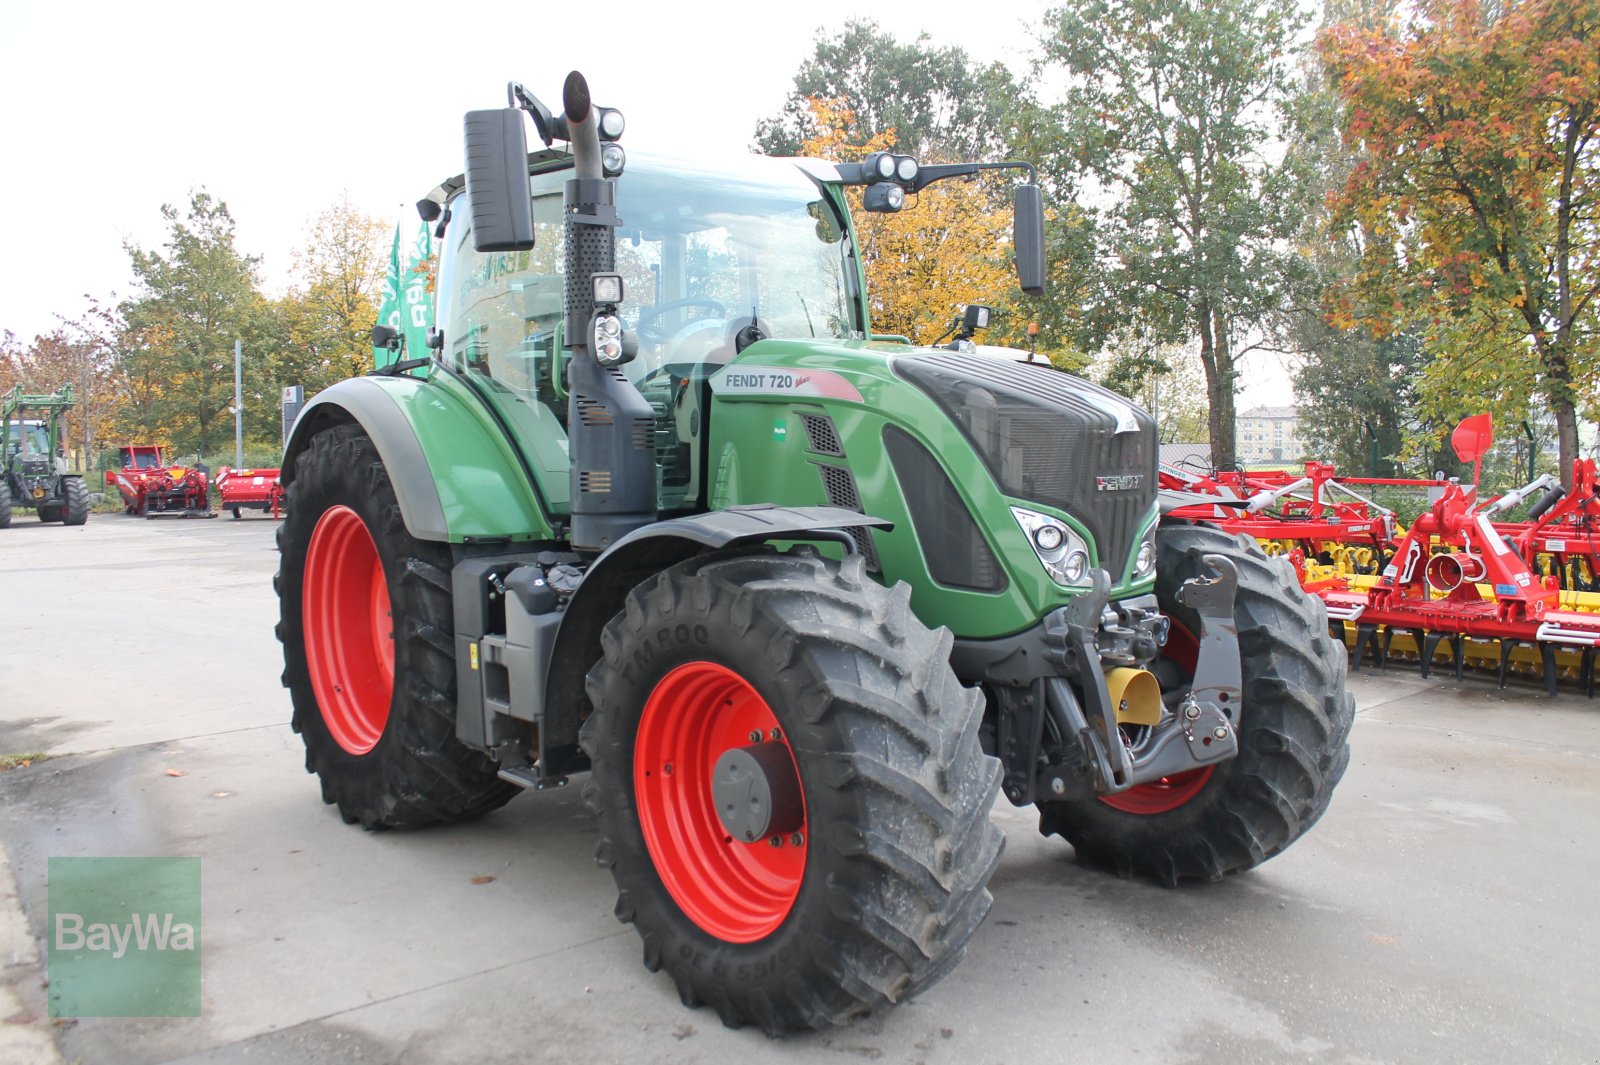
{"x": 76, "y": 512}
{"x": 5, "y": 502}
{"x": 872, "y": 894}
{"x": 1294, "y": 729}
{"x": 368, "y": 647}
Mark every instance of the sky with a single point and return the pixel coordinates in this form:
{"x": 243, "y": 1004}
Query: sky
{"x": 279, "y": 108}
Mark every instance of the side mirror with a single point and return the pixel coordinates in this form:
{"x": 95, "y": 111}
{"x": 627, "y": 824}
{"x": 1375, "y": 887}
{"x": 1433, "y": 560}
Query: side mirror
{"x": 1027, "y": 235}
{"x": 497, "y": 180}
{"x": 384, "y": 336}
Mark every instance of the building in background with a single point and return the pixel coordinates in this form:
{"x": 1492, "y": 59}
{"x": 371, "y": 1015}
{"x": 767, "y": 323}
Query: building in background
{"x": 1270, "y": 434}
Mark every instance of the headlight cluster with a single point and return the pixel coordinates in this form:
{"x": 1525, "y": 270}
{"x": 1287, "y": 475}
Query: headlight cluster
{"x": 607, "y": 338}
{"x": 1144, "y": 563}
{"x": 1061, "y": 550}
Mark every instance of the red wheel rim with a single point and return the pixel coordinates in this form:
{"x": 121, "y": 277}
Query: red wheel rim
{"x": 738, "y": 892}
{"x": 1168, "y": 793}
{"x": 349, "y": 630}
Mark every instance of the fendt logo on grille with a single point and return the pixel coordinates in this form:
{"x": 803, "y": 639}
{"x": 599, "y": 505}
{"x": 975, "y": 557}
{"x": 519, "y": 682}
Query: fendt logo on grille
{"x": 1122, "y": 482}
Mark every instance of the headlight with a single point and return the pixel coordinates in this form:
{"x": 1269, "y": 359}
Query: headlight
{"x": 607, "y": 339}
{"x": 1061, "y": 551}
{"x": 905, "y": 168}
{"x": 1144, "y": 563}
{"x": 613, "y": 159}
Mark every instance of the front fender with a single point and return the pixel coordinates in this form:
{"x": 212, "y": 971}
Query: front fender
{"x": 454, "y": 472}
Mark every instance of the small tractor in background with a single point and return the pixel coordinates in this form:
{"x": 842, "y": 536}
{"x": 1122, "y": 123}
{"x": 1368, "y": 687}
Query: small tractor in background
{"x": 656, "y": 505}
{"x": 242, "y": 490}
{"x": 152, "y": 489}
{"x": 33, "y": 471}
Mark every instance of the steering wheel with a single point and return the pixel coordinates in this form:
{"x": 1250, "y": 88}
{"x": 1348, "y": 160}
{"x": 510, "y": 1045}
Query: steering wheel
{"x": 648, "y": 316}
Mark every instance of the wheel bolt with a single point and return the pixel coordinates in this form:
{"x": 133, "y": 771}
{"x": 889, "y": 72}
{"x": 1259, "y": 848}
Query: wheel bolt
{"x": 775, "y": 841}
{"x": 755, "y": 735}
{"x": 1221, "y": 732}
{"x": 774, "y": 734}
{"x": 666, "y": 770}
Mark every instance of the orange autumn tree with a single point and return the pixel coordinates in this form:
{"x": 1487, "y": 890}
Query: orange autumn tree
{"x": 1477, "y": 192}
{"x": 949, "y": 246}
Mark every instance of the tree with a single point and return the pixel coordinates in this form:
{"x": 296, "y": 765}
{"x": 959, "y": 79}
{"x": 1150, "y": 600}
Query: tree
{"x": 327, "y": 317}
{"x": 1166, "y": 379}
{"x": 1167, "y": 105}
{"x": 1477, "y": 191}
{"x": 193, "y": 302}
{"x": 933, "y": 101}
{"x": 950, "y": 246}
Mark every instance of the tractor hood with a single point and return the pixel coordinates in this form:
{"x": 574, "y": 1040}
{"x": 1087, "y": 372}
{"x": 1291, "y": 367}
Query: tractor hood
{"x": 1043, "y": 436}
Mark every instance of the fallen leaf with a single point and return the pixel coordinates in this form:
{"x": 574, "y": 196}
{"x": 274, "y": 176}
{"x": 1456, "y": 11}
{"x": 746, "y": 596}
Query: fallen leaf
{"x": 175, "y": 773}
{"x": 483, "y": 880}
{"x": 1387, "y": 941}
{"x": 21, "y": 1018}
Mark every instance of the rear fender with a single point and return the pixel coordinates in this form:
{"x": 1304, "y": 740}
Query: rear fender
{"x": 454, "y": 471}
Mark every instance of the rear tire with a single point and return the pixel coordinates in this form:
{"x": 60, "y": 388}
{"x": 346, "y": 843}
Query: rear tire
{"x": 76, "y": 512}
{"x": 897, "y": 844}
{"x": 385, "y": 748}
{"x": 1294, "y": 730}
{"x": 5, "y": 502}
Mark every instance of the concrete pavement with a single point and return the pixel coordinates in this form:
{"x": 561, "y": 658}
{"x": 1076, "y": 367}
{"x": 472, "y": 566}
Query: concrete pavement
{"x": 1444, "y": 910}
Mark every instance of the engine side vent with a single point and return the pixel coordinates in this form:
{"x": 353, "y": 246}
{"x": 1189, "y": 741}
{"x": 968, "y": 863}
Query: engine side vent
{"x": 592, "y": 411}
{"x": 953, "y": 547}
{"x": 597, "y": 482}
{"x": 840, "y": 485}
{"x": 644, "y": 434}
{"x": 821, "y": 434}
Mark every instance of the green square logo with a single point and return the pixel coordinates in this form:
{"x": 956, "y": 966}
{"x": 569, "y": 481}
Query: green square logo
{"x": 124, "y": 937}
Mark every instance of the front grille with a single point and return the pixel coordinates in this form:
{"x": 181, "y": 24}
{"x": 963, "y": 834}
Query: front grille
{"x": 840, "y": 486}
{"x": 953, "y": 546}
{"x": 1048, "y": 437}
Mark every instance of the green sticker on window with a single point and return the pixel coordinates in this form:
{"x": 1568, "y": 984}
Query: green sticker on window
{"x": 124, "y": 937}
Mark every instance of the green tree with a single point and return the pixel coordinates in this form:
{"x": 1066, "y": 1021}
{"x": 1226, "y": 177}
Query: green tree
{"x": 194, "y": 299}
{"x": 935, "y": 101}
{"x": 1168, "y": 106}
{"x": 327, "y": 316}
{"x": 1476, "y": 197}
{"x": 77, "y": 352}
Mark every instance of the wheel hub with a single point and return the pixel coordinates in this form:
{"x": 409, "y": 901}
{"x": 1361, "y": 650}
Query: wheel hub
{"x": 756, "y": 791}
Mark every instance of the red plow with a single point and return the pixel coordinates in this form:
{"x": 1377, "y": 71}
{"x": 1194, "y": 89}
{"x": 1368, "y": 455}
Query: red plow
{"x": 1493, "y": 592}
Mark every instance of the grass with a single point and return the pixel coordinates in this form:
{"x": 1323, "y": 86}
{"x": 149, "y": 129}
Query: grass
{"x": 21, "y": 761}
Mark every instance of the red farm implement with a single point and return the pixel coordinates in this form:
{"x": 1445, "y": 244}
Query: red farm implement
{"x": 243, "y": 490}
{"x": 152, "y": 489}
{"x": 1494, "y": 593}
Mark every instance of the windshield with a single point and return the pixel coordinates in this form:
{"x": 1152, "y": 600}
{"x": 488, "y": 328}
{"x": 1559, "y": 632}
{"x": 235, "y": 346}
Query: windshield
{"x": 702, "y": 252}
{"x": 30, "y": 439}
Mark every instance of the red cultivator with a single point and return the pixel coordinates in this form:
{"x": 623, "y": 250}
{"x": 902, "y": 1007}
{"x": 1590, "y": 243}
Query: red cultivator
{"x": 153, "y": 490}
{"x": 243, "y": 490}
{"x": 1493, "y": 592}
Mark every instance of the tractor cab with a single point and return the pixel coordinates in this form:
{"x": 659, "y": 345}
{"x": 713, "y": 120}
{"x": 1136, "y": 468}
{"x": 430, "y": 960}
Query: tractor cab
{"x": 712, "y": 260}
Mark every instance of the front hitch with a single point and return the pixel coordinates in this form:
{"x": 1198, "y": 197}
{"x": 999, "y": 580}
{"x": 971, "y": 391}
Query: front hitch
{"x": 1199, "y": 733}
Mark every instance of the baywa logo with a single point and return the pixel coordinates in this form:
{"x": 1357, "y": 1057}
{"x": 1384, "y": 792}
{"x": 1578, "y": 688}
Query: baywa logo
{"x": 124, "y": 937}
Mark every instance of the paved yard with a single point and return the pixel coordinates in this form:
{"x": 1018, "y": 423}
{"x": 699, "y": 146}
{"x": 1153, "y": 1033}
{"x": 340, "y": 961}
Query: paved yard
{"x": 1447, "y": 908}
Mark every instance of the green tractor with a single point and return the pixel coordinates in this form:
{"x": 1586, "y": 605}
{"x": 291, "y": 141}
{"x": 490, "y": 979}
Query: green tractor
{"x": 33, "y": 471}
{"x": 801, "y": 600}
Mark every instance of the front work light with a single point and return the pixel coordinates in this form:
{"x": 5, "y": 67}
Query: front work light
{"x": 613, "y": 159}
{"x": 607, "y": 289}
{"x": 611, "y": 123}
{"x": 884, "y": 198}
